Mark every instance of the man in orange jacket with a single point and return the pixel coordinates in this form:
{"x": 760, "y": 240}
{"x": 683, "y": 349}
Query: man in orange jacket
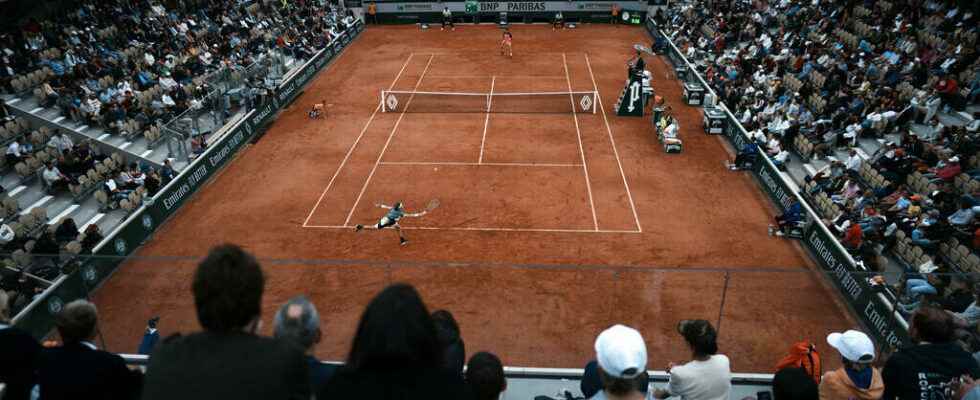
{"x": 857, "y": 379}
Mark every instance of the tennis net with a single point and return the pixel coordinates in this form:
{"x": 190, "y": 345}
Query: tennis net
{"x": 519, "y": 103}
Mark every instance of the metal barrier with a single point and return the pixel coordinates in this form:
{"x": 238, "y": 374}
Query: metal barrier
{"x": 870, "y": 303}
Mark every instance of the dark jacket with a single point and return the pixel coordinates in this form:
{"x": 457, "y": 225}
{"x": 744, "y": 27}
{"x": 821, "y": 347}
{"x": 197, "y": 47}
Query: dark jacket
{"x": 240, "y": 366}
{"x": 75, "y": 371}
{"x": 396, "y": 384}
{"x": 19, "y": 353}
{"x": 919, "y": 371}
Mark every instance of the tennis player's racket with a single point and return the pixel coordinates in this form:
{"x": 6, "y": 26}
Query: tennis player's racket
{"x": 433, "y": 204}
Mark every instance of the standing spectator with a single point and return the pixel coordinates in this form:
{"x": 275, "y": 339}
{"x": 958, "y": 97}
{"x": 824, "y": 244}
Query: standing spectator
{"x": 621, "y": 354}
{"x": 857, "y": 378}
{"x": 78, "y": 369}
{"x": 298, "y": 322}
{"x": 485, "y": 376}
{"x": 708, "y": 375}
{"x": 372, "y": 13}
{"x": 18, "y": 355}
{"x": 228, "y": 360}
{"x": 453, "y": 348}
{"x": 395, "y": 350}
{"x": 922, "y": 370}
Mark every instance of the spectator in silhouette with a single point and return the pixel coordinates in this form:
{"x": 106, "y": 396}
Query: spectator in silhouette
{"x": 67, "y": 231}
{"x": 921, "y": 371}
{"x": 78, "y": 369}
{"x": 485, "y": 376}
{"x": 93, "y": 235}
{"x": 298, "y": 322}
{"x": 453, "y": 348}
{"x": 18, "y": 355}
{"x": 227, "y": 360}
{"x": 794, "y": 384}
{"x": 395, "y": 350}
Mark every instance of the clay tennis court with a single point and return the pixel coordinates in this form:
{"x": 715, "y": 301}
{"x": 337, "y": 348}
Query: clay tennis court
{"x": 551, "y": 227}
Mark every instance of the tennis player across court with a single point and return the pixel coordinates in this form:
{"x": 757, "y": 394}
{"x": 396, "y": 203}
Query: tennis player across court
{"x": 395, "y": 213}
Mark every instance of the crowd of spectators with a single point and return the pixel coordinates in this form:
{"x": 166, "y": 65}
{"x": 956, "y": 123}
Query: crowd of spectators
{"x": 122, "y": 66}
{"x": 115, "y": 62}
{"x": 402, "y": 350}
{"x": 815, "y": 77}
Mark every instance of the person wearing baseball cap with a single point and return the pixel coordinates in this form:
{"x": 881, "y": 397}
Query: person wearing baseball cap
{"x": 856, "y": 379}
{"x": 621, "y": 355}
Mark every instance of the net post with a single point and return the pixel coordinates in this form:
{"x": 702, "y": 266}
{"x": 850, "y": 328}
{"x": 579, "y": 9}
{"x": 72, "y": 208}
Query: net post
{"x": 595, "y": 101}
{"x": 382, "y": 101}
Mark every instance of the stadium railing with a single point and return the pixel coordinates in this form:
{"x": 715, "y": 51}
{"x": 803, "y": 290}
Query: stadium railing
{"x": 870, "y": 303}
{"x": 37, "y": 317}
{"x": 526, "y": 383}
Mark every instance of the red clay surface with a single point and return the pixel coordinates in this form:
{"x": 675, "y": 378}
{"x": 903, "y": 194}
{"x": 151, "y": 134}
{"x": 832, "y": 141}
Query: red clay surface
{"x": 698, "y": 220}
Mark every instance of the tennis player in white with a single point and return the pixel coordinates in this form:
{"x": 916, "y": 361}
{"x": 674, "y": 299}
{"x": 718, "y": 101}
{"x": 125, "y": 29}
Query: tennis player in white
{"x": 391, "y": 218}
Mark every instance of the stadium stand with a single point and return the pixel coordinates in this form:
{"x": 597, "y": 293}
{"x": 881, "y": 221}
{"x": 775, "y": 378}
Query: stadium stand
{"x": 118, "y": 98}
{"x": 878, "y": 101}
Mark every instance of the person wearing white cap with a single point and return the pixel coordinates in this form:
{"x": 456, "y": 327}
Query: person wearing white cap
{"x": 622, "y": 357}
{"x": 708, "y": 375}
{"x": 856, "y": 379}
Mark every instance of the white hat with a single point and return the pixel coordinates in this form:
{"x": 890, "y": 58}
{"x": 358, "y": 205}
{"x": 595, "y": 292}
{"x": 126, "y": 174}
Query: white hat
{"x": 853, "y": 345}
{"x": 954, "y": 159}
{"x": 621, "y": 352}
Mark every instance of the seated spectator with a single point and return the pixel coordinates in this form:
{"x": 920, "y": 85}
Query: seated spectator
{"x": 707, "y": 375}
{"x": 53, "y": 177}
{"x": 298, "y": 322}
{"x": 5, "y": 114}
{"x": 395, "y": 350}
{"x": 621, "y": 354}
{"x": 167, "y": 173}
{"x": 963, "y": 217}
{"x": 198, "y": 145}
{"x": 61, "y": 141}
{"x": 745, "y": 156}
{"x": 18, "y": 355}
{"x": 15, "y": 152}
{"x": 93, "y": 235}
{"x": 215, "y": 363}
{"x": 792, "y": 216}
{"x": 485, "y": 376}
{"x": 453, "y": 348}
{"x": 857, "y": 378}
{"x": 78, "y": 369}
{"x": 66, "y": 231}
{"x": 922, "y": 370}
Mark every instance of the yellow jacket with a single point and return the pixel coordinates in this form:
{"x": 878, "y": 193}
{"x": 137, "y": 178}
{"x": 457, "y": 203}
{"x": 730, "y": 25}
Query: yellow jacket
{"x": 836, "y": 385}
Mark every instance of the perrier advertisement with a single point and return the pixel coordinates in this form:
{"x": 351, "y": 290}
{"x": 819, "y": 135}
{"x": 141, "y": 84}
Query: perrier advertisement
{"x": 472, "y": 6}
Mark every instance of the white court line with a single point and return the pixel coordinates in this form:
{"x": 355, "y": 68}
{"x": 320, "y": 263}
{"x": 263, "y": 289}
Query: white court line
{"x": 451, "y": 163}
{"x": 629, "y": 194}
{"x": 390, "y": 136}
{"x": 486, "y": 123}
{"x": 478, "y": 229}
{"x": 92, "y": 221}
{"x": 37, "y": 204}
{"x": 57, "y": 218}
{"x": 581, "y": 149}
{"x": 356, "y": 141}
